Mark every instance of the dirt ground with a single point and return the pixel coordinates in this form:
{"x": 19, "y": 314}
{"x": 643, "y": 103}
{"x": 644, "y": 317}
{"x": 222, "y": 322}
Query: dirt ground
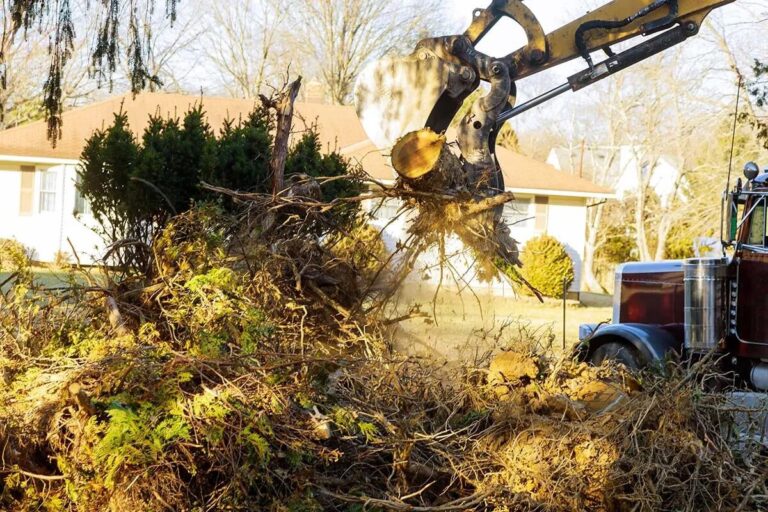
{"x": 464, "y": 325}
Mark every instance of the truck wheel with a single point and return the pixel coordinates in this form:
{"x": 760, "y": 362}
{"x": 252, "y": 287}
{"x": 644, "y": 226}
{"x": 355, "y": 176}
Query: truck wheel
{"x": 619, "y": 352}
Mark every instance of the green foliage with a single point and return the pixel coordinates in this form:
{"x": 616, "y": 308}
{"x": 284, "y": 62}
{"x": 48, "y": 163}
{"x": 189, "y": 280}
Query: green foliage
{"x": 136, "y": 437}
{"x": 256, "y": 328}
{"x": 135, "y": 186}
{"x": 214, "y": 315}
{"x": 618, "y": 246}
{"x": 242, "y": 153}
{"x": 109, "y": 159}
{"x": 361, "y": 246}
{"x": 217, "y": 279}
{"x": 615, "y": 239}
{"x": 14, "y": 257}
{"x": 679, "y": 244}
{"x": 305, "y": 157}
{"x": 349, "y": 423}
{"x": 172, "y": 157}
{"x": 546, "y": 264}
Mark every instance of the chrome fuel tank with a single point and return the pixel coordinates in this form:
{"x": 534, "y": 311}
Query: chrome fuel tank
{"x": 705, "y": 302}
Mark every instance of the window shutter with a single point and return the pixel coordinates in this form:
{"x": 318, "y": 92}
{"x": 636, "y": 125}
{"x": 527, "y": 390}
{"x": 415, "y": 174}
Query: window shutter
{"x": 542, "y": 211}
{"x": 27, "y": 197}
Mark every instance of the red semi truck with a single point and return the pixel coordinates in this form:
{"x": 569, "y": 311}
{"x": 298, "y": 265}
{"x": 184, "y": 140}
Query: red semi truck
{"x": 689, "y": 308}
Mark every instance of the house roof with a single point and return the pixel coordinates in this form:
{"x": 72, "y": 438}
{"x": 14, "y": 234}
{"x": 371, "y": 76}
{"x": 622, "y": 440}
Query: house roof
{"x": 338, "y": 128}
{"x": 525, "y": 173}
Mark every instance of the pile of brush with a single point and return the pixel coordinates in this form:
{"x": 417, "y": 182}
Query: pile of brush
{"x": 248, "y": 371}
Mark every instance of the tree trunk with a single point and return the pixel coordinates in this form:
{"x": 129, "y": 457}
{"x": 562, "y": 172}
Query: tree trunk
{"x": 284, "y": 108}
{"x": 424, "y": 162}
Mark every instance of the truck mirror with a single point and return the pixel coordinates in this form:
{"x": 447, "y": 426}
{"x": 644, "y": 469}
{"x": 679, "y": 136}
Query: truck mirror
{"x": 732, "y": 216}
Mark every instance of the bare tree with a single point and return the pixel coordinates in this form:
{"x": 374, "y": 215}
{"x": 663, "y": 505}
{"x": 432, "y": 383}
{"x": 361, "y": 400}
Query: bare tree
{"x": 22, "y": 63}
{"x": 171, "y": 56}
{"x": 341, "y": 36}
{"x": 243, "y": 45}
{"x": 26, "y": 59}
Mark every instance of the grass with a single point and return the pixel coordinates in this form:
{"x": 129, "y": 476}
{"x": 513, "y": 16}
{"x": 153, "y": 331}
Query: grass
{"x": 44, "y": 277}
{"x": 464, "y": 324}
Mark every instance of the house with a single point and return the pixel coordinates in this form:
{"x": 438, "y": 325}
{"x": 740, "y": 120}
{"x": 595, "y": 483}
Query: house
{"x": 40, "y": 205}
{"x": 619, "y": 168}
{"x": 41, "y": 208}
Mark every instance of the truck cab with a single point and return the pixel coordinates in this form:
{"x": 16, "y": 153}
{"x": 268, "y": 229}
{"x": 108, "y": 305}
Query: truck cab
{"x": 686, "y": 309}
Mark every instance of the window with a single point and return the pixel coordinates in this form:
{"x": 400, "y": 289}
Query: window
{"x": 517, "y": 214}
{"x": 82, "y": 205}
{"x": 27, "y": 192}
{"x": 757, "y": 227}
{"x": 47, "y": 200}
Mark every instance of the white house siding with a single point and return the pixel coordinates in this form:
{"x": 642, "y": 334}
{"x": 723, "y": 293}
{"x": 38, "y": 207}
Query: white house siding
{"x": 567, "y": 221}
{"x": 46, "y": 232}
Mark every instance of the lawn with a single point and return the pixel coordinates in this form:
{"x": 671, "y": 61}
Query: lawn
{"x": 45, "y": 277}
{"x": 464, "y": 325}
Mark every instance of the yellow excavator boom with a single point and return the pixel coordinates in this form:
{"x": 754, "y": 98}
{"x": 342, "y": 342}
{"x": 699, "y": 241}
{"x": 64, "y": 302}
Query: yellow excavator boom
{"x": 608, "y": 25}
{"x": 427, "y": 89}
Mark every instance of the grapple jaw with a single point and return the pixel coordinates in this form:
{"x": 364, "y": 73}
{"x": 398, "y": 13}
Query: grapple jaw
{"x": 395, "y": 96}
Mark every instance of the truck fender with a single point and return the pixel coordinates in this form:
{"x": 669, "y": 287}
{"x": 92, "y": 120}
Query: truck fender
{"x": 651, "y": 341}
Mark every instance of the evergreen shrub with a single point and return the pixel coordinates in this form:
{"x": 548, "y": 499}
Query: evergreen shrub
{"x": 545, "y": 264}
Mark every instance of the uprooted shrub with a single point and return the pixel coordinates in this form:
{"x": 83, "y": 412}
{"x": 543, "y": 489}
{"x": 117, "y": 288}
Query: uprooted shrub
{"x": 247, "y": 375}
{"x": 13, "y": 256}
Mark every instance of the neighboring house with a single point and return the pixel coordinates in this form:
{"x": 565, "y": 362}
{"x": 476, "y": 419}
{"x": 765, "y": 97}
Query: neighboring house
{"x": 39, "y": 203}
{"x": 618, "y": 168}
{"x": 41, "y": 208}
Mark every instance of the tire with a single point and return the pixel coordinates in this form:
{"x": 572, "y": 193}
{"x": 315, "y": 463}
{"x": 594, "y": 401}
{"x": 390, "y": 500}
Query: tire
{"x": 619, "y": 352}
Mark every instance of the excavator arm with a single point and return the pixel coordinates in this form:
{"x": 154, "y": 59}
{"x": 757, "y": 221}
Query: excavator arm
{"x": 608, "y": 25}
{"x": 427, "y": 88}
{"x": 396, "y": 96}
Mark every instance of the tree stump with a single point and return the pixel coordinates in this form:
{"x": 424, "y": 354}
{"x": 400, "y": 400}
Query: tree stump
{"x": 423, "y": 160}
{"x": 450, "y": 202}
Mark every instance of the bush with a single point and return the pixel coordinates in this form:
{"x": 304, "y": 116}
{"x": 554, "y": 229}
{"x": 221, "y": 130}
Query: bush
{"x": 679, "y": 244}
{"x": 135, "y": 185}
{"x": 546, "y": 264}
{"x": 13, "y": 256}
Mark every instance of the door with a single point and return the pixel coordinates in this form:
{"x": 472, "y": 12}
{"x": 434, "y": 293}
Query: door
{"x": 752, "y": 278}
